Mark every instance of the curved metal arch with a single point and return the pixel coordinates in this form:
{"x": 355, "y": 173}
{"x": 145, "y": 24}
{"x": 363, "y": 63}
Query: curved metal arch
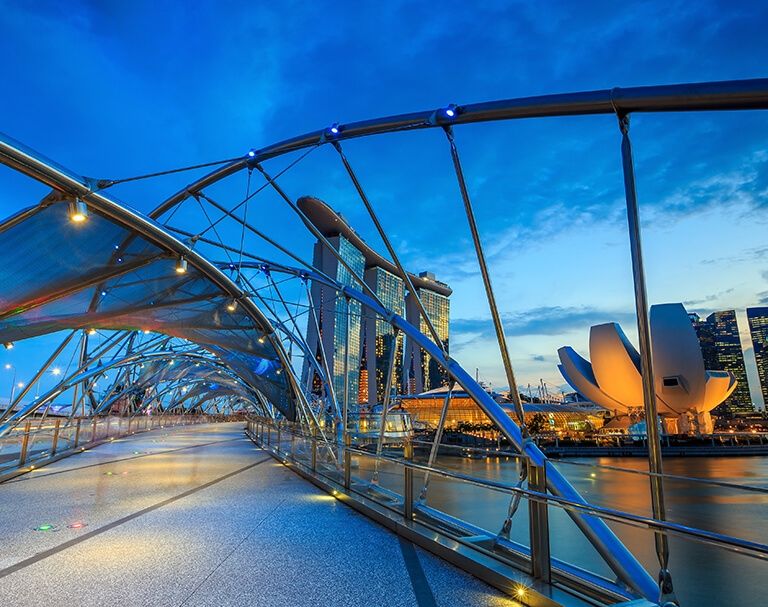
{"x": 32, "y": 164}
{"x": 90, "y": 374}
{"x": 751, "y": 94}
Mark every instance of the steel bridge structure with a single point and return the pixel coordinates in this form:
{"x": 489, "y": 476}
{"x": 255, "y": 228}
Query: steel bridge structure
{"x": 163, "y": 316}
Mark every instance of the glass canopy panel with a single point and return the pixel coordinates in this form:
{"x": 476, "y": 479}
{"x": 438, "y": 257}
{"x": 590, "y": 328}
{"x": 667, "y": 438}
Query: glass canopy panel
{"x": 97, "y": 274}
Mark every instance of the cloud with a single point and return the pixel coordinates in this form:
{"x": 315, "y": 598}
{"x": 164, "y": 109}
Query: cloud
{"x": 545, "y": 320}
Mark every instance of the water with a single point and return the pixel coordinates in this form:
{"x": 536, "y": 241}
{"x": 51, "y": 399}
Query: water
{"x": 703, "y": 575}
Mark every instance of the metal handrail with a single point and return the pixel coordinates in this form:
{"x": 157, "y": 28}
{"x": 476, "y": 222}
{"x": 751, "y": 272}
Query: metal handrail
{"x": 727, "y": 542}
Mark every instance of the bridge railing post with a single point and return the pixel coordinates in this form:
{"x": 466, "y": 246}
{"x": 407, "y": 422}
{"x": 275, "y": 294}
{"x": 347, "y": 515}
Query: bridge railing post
{"x": 347, "y": 462}
{"x": 77, "y": 433}
{"x": 541, "y": 566}
{"x": 314, "y": 448}
{"x": 24, "y": 444}
{"x": 55, "y": 441}
{"x": 408, "y": 481}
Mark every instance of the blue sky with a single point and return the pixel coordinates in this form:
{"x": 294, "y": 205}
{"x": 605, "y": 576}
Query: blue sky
{"x": 113, "y": 89}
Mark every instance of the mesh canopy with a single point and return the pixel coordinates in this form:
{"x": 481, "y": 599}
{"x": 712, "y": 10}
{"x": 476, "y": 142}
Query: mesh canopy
{"x": 98, "y": 274}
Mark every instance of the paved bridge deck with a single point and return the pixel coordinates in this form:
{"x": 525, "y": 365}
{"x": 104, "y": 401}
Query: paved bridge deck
{"x": 200, "y": 516}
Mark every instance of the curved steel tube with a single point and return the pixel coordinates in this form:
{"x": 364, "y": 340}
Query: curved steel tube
{"x": 700, "y": 96}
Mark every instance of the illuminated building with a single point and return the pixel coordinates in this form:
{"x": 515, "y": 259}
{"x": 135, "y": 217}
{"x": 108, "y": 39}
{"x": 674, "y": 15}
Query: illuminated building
{"x": 338, "y": 318}
{"x": 721, "y": 349}
{"x": 390, "y": 289}
{"x": 685, "y": 390}
{"x": 424, "y": 373}
{"x": 370, "y": 338}
{"x": 465, "y": 415}
{"x": 758, "y": 328}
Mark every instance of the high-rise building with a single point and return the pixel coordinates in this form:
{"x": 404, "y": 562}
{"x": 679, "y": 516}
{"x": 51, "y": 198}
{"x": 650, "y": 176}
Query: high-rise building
{"x": 424, "y": 373}
{"x": 758, "y": 329}
{"x": 378, "y": 334}
{"x": 339, "y": 319}
{"x": 369, "y": 337}
{"x": 721, "y": 348}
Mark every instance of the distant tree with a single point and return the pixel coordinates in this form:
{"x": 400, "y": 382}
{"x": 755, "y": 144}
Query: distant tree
{"x": 538, "y": 424}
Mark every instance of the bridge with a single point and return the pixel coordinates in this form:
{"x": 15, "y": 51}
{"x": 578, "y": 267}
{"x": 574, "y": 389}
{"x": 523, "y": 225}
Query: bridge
{"x": 217, "y": 459}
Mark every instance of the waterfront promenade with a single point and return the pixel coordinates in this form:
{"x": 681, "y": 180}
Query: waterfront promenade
{"x": 201, "y": 516}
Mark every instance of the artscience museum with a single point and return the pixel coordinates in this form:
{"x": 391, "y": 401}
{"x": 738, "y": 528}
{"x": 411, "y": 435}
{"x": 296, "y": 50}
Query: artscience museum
{"x": 686, "y": 392}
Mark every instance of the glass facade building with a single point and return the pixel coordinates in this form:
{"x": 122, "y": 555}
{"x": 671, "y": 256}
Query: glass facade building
{"x": 721, "y": 349}
{"x": 758, "y": 329}
{"x": 424, "y": 373}
{"x": 390, "y": 289}
{"x": 339, "y": 320}
{"x": 368, "y": 337}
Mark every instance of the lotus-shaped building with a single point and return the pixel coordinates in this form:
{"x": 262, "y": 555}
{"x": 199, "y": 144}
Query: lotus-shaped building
{"x": 685, "y": 390}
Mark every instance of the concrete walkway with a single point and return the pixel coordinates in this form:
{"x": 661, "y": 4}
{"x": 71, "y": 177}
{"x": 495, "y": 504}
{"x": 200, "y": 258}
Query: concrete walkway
{"x": 200, "y": 516}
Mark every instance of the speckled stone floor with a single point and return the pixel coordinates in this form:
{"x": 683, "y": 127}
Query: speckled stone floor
{"x": 200, "y": 516}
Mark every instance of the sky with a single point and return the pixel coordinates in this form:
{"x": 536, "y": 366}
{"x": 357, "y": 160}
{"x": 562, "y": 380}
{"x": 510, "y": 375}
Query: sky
{"x": 116, "y": 89}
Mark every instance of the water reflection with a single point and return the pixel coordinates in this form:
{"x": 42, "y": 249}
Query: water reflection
{"x": 703, "y": 575}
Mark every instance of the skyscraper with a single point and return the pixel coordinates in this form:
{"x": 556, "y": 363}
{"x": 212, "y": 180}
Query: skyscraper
{"x": 339, "y": 319}
{"x": 424, "y": 373}
{"x": 721, "y": 348}
{"x": 758, "y": 329}
{"x": 369, "y": 337}
{"x": 378, "y": 333}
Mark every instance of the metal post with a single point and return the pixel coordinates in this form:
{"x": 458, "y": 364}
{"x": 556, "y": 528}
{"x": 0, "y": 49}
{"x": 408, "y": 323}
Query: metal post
{"x": 347, "y": 463}
{"x": 93, "y": 430}
{"x": 646, "y": 360}
{"x": 55, "y": 441}
{"x": 497, "y": 324}
{"x": 314, "y": 449}
{"x": 77, "y": 433}
{"x": 408, "y": 481}
{"x": 24, "y": 444}
{"x": 541, "y": 567}
{"x": 277, "y": 445}
{"x": 438, "y": 438}
{"x": 345, "y": 394}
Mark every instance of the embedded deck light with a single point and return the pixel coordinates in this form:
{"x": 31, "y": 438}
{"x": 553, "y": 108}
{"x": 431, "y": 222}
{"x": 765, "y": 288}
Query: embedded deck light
{"x": 91, "y": 331}
{"x": 181, "y": 265}
{"x": 78, "y": 211}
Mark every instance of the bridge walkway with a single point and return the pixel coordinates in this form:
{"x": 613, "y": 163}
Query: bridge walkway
{"x": 198, "y": 516}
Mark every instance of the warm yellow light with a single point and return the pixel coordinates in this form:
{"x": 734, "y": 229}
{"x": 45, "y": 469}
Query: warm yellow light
{"x": 181, "y": 266}
{"x": 78, "y": 211}
{"x": 520, "y": 592}
{"x": 261, "y": 340}
{"x": 8, "y": 345}
{"x": 91, "y": 331}
{"x": 20, "y": 384}
{"x": 146, "y": 331}
{"x": 232, "y": 306}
